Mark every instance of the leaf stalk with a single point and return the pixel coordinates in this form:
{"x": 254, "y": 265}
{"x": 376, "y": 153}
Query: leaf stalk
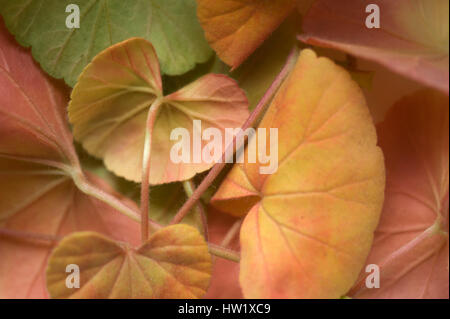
{"x": 145, "y": 187}
{"x": 230, "y": 149}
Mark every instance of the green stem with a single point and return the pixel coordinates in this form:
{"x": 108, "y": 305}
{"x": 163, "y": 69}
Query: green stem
{"x": 224, "y": 253}
{"x": 145, "y": 200}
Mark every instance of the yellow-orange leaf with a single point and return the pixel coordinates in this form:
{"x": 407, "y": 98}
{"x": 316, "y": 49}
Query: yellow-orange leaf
{"x": 411, "y": 242}
{"x": 234, "y": 29}
{"x": 110, "y": 103}
{"x": 311, "y": 224}
{"x": 173, "y": 263}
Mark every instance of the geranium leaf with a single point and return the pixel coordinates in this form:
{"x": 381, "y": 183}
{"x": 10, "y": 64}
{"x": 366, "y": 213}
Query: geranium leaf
{"x": 411, "y": 242}
{"x": 37, "y": 194}
{"x": 386, "y": 89}
{"x": 171, "y": 25}
{"x": 413, "y": 39}
{"x": 54, "y": 209}
{"x": 234, "y": 29}
{"x": 110, "y": 103}
{"x": 252, "y": 78}
{"x": 173, "y": 263}
{"x": 31, "y": 109}
{"x": 309, "y": 225}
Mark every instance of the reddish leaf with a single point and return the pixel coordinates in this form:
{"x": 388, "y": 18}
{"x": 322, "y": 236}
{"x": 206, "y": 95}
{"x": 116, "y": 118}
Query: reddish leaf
{"x": 37, "y": 159}
{"x": 386, "y": 89}
{"x": 413, "y": 39}
{"x": 411, "y": 242}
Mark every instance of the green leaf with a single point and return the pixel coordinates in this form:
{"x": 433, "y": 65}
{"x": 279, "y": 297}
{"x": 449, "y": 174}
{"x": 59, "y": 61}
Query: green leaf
{"x": 171, "y": 25}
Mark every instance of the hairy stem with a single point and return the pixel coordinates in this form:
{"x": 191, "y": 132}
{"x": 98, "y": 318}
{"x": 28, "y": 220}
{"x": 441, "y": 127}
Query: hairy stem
{"x": 86, "y": 187}
{"x": 152, "y": 114}
{"x": 230, "y": 149}
{"x": 224, "y": 253}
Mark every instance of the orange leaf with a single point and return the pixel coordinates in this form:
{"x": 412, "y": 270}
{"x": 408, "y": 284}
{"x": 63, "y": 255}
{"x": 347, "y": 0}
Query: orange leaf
{"x": 173, "y": 263}
{"x": 411, "y": 242}
{"x": 311, "y": 223}
{"x": 37, "y": 195}
{"x": 413, "y": 39}
{"x": 111, "y": 100}
{"x": 235, "y": 29}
